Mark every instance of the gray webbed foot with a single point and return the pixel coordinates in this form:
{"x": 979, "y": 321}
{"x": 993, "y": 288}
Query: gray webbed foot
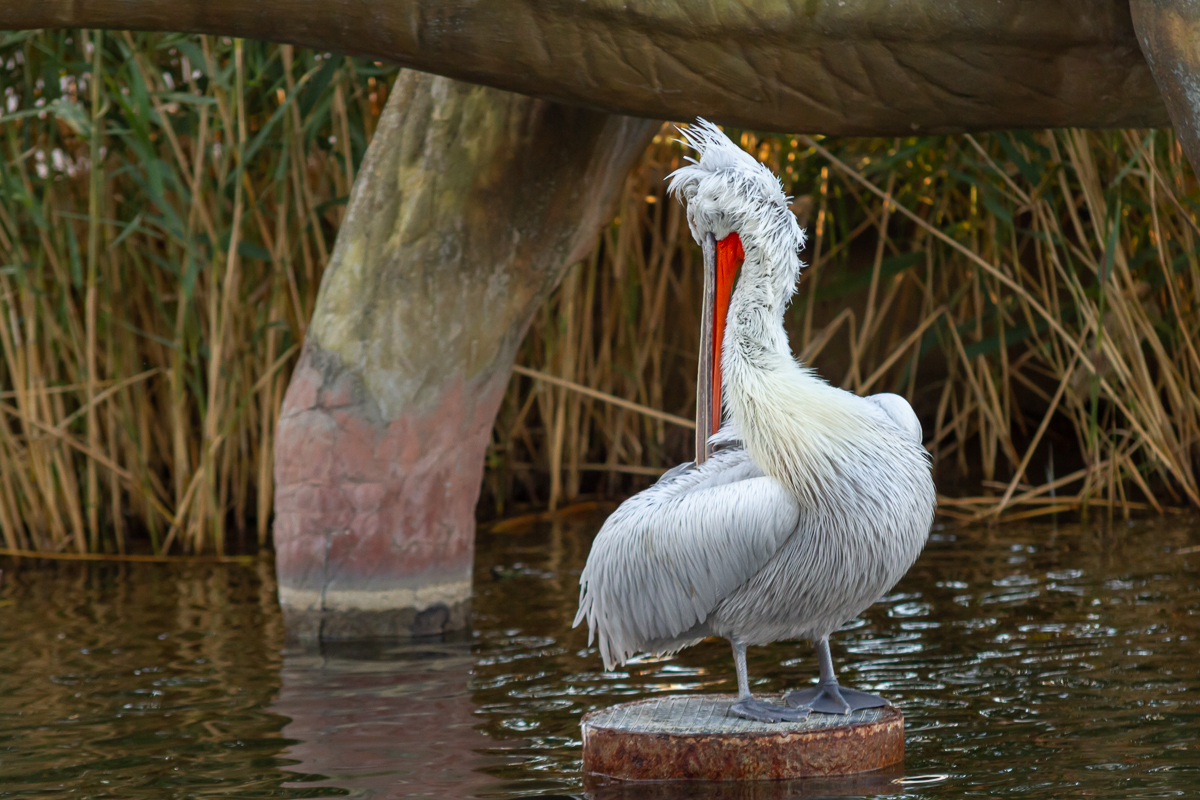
{"x": 756, "y": 710}
{"x": 830, "y": 698}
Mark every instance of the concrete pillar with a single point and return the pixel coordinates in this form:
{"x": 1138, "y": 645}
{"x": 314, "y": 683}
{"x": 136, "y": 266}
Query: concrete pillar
{"x": 470, "y": 204}
{"x": 1169, "y": 34}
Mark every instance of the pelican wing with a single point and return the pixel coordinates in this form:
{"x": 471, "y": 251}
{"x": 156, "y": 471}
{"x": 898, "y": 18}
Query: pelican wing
{"x": 668, "y": 555}
{"x": 899, "y": 413}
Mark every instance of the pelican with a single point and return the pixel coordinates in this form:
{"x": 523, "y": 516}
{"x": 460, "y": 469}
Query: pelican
{"x": 803, "y": 508}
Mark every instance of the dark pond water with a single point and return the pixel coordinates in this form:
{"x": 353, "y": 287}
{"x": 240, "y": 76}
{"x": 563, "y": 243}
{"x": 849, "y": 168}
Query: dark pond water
{"x": 1030, "y": 662}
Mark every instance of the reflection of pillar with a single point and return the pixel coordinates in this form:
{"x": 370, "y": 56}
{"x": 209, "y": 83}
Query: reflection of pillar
{"x": 868, "y": 784}
{"x": 400, "y": 725}
{"x": 468, "y": 208}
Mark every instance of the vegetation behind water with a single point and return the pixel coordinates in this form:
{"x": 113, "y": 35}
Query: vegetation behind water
{"x": 1033, "y": 294}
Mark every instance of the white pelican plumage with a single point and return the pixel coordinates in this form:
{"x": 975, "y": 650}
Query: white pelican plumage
{"x": 804, "y": 508}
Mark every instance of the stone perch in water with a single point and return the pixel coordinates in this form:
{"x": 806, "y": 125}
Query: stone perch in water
{"x": 695, "y": 737}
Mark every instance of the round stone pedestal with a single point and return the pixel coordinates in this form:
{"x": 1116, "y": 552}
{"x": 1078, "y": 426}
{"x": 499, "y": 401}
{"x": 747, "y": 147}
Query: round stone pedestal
{"x": 694, "y": 737}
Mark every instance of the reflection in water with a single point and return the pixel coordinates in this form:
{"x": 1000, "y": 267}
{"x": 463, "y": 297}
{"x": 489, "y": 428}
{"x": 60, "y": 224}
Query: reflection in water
{"x": 884, "y": 782}
{"x": 1029, "y": 662}
{"x": 139, "y": 681}
{"x": 384, "y": 722}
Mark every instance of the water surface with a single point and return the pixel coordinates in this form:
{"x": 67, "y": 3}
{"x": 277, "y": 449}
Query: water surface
{"x": 1031, "y": 662}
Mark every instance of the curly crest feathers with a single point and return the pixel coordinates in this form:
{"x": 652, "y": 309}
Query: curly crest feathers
{"x": 727, "y": 190}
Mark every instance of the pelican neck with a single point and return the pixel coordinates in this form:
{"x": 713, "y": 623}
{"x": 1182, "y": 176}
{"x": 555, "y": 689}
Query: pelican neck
{"x": 754, "y": 331}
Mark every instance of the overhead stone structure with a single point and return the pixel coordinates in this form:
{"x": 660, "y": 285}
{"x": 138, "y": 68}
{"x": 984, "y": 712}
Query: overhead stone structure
{"x": 855, "y": 67}
{"x": 472, "y": 202}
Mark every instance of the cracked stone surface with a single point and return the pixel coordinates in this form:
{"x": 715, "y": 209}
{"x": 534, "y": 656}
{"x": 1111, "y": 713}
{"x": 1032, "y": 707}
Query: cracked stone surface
{"x": 856, "y": 67}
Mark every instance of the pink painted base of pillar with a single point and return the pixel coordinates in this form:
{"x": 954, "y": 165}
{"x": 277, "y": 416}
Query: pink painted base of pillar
{"x": 374, "y": 525}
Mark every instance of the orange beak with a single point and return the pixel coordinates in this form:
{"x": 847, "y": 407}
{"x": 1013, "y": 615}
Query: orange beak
{"x": 721, "y": 262}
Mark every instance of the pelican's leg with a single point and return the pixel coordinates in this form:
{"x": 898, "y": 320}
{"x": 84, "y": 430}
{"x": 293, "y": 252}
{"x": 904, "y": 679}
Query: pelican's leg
{"x": 750, "y": 707}
{"x": 827, "y": 696}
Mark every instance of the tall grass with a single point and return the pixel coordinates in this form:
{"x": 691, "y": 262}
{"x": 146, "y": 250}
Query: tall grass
{"x": 1034, "y": 294}
{"x": 162, "y": 235}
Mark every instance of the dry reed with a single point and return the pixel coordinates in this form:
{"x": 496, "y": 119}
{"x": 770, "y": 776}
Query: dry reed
{"x": 1034, "y": 295}
{"x": 152, "y": 306}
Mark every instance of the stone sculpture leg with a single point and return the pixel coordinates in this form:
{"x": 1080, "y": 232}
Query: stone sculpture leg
{"x": 1169, "y": 34}
{"x": 470, "y": 204}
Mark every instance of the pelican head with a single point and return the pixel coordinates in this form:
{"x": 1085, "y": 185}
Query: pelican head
{"x": 738, "y": 214}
